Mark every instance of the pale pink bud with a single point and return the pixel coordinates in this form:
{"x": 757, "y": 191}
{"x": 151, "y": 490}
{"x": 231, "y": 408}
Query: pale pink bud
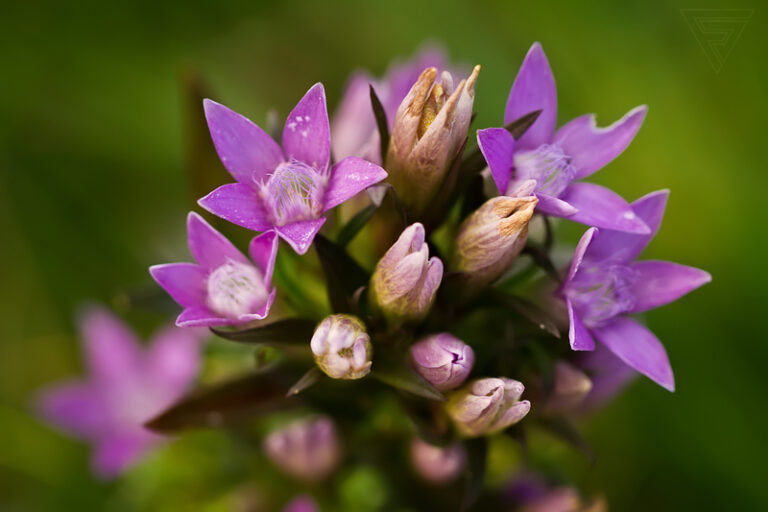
{"x": 571, "y": 387}
{"x": 442, "y": 359}
{"x": 437, "y": 464}
{"x": 307, "y": 449}
{"x": 486, "y": 406}
{"x": 406, "y": 279}
{"x": 342, "y": 348}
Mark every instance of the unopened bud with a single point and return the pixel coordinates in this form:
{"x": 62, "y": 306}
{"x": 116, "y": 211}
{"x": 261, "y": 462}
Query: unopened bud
{"x": 437, "y": 464}
{"x": 444, "y": 360}
{"x": 429, "y": 129}
{"x": 306, "y": 449}
{"x": 490, "y": 240}
{"x": 406, "y": 279}
{"x": 342, "y": 348}
{"x": 571, "y": 387}
{"x": 487, "y": 406}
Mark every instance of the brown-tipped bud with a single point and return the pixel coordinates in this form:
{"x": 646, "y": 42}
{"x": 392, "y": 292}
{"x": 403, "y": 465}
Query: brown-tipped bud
{"x": 429, "y": 129}
{"x": 487, "y": 406}
{"x": 490, "y": 240}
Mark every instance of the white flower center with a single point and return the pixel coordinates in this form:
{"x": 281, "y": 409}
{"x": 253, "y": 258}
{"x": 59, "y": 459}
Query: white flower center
{"x": 236, "y": 289}
{"x": 547, "y": 165}
{"x": 294, "y": 192}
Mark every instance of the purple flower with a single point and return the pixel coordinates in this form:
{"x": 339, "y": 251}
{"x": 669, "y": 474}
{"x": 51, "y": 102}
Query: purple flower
{"x": 437, "y": 464}
{"x": 287, "y": 190}
{"x": 604, "y": 285}
{"x": 301, "y": 503}
{"x": 546, "y": 163}
{"x": 353, "y": 127}
{"x": 306, "y": 449}
{"x": 126, "y": 386}
{"x": 444, "y": 360}
{"x": 405, "y": 280}
{"x": 223, "y": 288}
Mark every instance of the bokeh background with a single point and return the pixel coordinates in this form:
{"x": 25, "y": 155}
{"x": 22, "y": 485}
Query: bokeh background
{"x": 94, "y": 150}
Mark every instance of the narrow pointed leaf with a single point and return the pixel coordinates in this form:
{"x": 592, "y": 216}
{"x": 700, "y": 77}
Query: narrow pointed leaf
{"x": 355, "y": 224}
{"x": 224, "y": 404}
{"x": 477, "y": 457}
{"x": 542, "y": 260}
{"x": 308, "y": 379}
{"x": 519, "y": 126}
{"x": 526, "y": 309}
{"x": 381, "y": 122}
{"x": 291, "y": 331}
{"x": 393, "y": 371}
{"x": 343, "y": 275}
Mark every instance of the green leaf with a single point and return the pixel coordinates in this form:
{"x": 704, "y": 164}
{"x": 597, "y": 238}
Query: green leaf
{"x": 519, "y": 126}
{"x": 343, "y": 275}
{"x": 526, "y": 309}
{"x": 477, "y": 457}
{"x": 291, "y": 331}
{"x": 381, "y": 122}
{"x": 355, "y": 224}
{"x": 542, "y": 260}
{"x": 308, "y": 379}
{"x": 567, "y": 432}
{"x": 224, "y": 404}
{"x": 393, "y": 371}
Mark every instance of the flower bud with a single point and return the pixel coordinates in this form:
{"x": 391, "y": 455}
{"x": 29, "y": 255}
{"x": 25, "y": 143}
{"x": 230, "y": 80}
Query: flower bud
{"x": 487, "y": 406}
{"x": 437, "y": 464}
{"x": 571, "y": 387}
{"x": 490, "y": 240}
{"x": 307, "y": 449}
{"x": 405, "y": 281}
{"x": 429, "y": 129}
{"x": 342, "y": 348}
{"x": 444, "y": 360}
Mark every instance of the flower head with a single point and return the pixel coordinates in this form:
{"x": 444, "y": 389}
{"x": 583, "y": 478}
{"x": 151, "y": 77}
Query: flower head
{"x": 605, "y": 284}
{"x": 429, "y": 130}
{"x": 286, "y": 189}
{"x": 224, "y": 287}
{"x": 306, "y": 449}
{"x": 342, "y": 348}
{"x": 547, "y": 163}
{"x": 353, "y": 127}
{"x": 406, "y": 279}
{"x": 437, "y": 464}
{"x": 491, "y": 238}
{"x": 487, "y": 406}
{"x": 444, "y": 360}
{"x": 127, "y": 386}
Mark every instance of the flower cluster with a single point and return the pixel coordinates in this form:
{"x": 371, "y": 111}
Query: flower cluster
{"x": 443, "y": 297}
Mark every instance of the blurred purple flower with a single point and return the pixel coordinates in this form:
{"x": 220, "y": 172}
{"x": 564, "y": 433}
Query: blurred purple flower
{"x": 571, "y": 387}
{"x": 545, "y": 162}
{"x": 437, "y": 464}
{"x": 604, "y": 285}
{"x": 609, "y": 376}
{"x": 126, "y": 386}
{"x": 353, "y": 127}
{"x": 287, "y": 190}
{"x": 306, "y": 449}
{"x": 301, "y": 503}
{"x": 444, "y": 360}
{"x": 223, "y": 288}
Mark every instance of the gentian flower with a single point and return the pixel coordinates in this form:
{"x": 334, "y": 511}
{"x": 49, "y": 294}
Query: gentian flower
{"x": 127, "y": 386}
{"x": 604, "y": 285}
{"x": 287, "y": 190}
{"x": 224, "y": 287}
{"x": 353, "y": 127}
{"x": 437, "y": 464}
{"x": 546, "y": 163}
{"x": 307, "y": 448}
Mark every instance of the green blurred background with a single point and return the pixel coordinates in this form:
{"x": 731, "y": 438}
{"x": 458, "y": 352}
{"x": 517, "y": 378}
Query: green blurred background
{"x": 93, "y": 190}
